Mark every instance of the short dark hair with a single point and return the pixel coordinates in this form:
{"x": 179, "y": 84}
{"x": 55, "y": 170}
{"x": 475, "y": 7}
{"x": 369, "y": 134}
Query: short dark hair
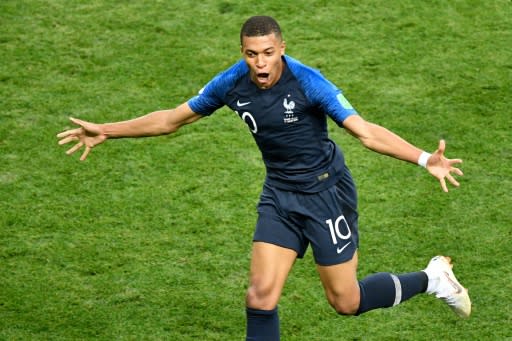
{"x": 260, "y": 25}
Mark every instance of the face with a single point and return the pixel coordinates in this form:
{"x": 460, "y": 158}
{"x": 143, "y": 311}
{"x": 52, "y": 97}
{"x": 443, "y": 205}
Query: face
{"x": 263, "y": 56}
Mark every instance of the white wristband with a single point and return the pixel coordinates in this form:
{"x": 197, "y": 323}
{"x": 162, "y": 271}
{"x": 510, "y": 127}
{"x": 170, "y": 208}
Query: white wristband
{"x": 422, "y": 161}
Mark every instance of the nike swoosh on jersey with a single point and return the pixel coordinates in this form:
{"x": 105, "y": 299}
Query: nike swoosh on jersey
{"x": 340, "y": 250}
{"x": 241, "y": 104}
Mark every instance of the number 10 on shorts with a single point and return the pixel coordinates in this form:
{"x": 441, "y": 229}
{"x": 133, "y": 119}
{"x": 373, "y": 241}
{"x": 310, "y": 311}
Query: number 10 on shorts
{"x": 335, "y": 229}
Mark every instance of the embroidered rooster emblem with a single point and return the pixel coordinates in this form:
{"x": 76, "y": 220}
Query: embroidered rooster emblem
{"x": 289, "y": 106}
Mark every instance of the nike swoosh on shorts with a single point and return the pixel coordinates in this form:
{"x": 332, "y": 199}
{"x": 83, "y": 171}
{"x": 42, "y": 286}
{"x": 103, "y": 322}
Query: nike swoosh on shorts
{"x": 340, "y": 250}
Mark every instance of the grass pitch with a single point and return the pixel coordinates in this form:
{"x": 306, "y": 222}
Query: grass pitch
{"x": 150, "y": 239}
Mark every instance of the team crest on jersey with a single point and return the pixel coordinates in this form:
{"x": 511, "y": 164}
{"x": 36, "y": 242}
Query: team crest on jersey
{"x": 289, "y": 115}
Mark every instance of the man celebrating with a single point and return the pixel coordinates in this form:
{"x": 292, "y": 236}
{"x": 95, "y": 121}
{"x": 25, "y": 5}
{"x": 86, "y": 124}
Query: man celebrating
{"x": 308, "y": 197}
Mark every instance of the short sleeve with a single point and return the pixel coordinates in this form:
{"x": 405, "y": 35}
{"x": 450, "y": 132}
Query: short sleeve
{"x": 213, "y": 95}
{"x": 321, "y": 92}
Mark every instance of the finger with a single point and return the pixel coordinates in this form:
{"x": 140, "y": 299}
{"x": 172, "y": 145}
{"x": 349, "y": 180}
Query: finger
{"x": 456, "y": 171}
{"x": 74, "y": 148}
{"x": 68, "y": 139}
{"x": 85, "y": 153}
{"x": 442, "y": 146}
{"x": 452, "y": 180}
{"x": 69, "y": 132}
{"x": 76, "y": 121}
{"x": 443, "y": 185}
{"x": 62, "y": 134}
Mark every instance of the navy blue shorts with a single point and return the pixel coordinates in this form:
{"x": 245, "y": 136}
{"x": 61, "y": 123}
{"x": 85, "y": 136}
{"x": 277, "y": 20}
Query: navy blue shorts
{"x": 327, "y": 220}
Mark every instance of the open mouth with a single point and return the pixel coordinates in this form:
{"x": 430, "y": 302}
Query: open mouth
{"x": 262, "y": 76}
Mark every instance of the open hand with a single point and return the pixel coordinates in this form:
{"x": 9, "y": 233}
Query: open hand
{"x": 87, "y": 134}
{"x": 442, "y": 168}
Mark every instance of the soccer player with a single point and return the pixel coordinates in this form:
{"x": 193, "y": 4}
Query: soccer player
{"x": 308, "y": 197}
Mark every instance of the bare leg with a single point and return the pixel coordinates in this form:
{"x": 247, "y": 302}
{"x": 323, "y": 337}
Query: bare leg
{"x": 270, "y": 265}
{"x": 341, "y": 285}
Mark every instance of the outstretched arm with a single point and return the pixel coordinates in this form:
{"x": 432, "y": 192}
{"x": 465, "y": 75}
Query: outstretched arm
{"x": 383, "y": 141}
{"x": 161, "y": 122}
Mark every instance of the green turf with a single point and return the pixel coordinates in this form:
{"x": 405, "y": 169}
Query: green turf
{"x": 150, "y": 239}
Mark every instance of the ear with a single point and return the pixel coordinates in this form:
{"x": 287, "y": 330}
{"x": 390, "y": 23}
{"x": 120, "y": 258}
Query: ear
{"x": 283, "y": 47}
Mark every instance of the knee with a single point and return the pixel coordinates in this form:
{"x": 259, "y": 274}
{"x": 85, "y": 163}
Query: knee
{"x": 345, "y": 306}
{"x": 261, "y": 296}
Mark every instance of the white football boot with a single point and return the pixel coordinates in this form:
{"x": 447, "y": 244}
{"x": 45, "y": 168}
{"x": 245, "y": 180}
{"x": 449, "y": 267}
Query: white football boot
{"x": 442, "y": 283}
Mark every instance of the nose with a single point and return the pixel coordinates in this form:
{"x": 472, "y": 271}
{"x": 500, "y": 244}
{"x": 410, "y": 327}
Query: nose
{"x": 260, "y": 61}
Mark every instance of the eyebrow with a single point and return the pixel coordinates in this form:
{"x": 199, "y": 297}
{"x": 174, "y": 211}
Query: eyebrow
{"x": 268, "y": 49}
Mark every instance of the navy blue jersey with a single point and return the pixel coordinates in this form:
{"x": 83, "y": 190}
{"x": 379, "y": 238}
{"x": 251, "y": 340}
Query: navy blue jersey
{"x": 288, "y": 122}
